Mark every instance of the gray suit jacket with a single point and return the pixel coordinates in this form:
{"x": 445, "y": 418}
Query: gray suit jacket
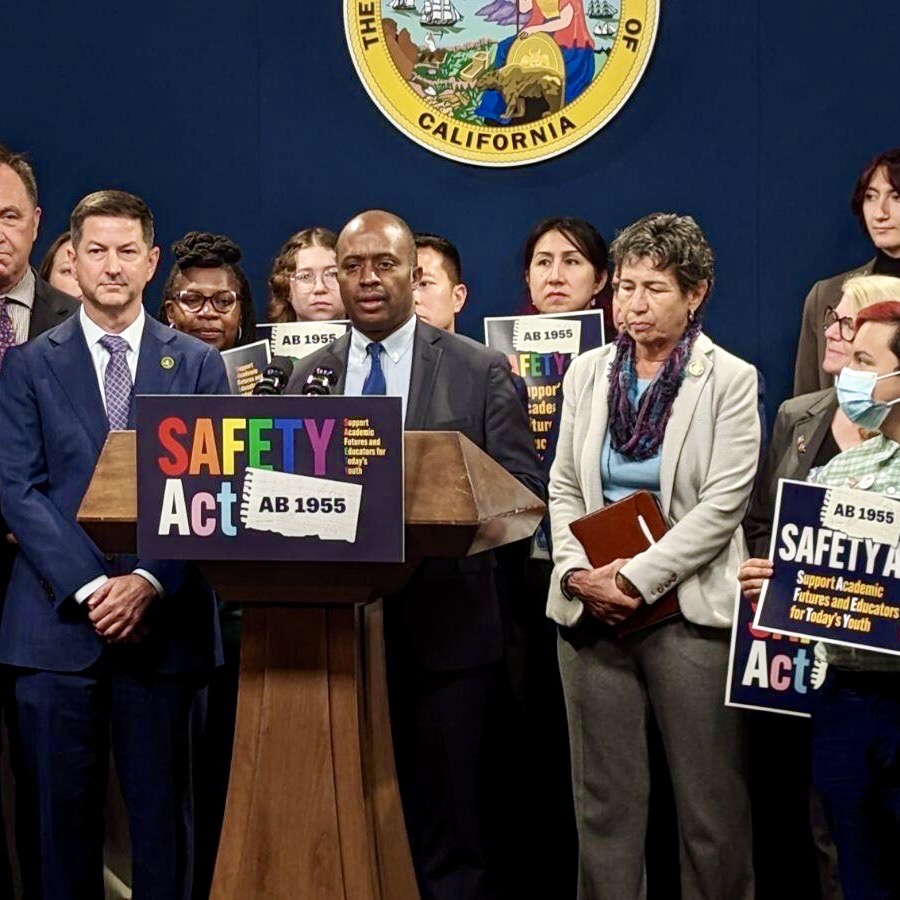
{"x": 709, "y": 457}
{"x": 808, "y": 373}
{"x": 449, "y": 608}
{"x": 800, "y": 427}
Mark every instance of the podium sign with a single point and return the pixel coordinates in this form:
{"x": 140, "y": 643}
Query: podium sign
{"x": 305, "y": 479}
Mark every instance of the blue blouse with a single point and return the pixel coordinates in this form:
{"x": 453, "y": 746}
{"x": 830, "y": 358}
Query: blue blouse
{"x": 621, "y": 476}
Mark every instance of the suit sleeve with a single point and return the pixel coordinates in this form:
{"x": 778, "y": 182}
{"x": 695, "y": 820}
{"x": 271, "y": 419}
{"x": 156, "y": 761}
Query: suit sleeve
{"x": 211, "y": 379}
{"x": 699, "y": 536}
{"x": 54, "y": 544}
{"x": 507, "y": 436}
{"x": 758, "y": 521}
{"x": 806, "y": 371}
{"x": 567, "y": 501}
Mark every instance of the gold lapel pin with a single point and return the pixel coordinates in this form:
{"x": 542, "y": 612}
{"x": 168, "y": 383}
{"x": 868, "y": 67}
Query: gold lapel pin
{"x": 167, "y": 362}
{"x": 696, "y": 368}
{"x": 801, "y": 444}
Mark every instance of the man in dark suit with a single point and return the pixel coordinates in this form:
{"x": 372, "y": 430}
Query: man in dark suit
{"x": 102, "y": 649}
{"x": 443, "y": 632}
{"x": 28, "y": 307}
{"x": 876, "y": 205}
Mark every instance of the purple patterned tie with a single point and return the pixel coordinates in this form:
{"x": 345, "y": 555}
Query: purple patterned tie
{"x": 7, "y": 332}
{"x": 117, "y": 383}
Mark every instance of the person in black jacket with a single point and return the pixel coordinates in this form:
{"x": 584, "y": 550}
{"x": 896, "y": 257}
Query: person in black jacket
{"x": 443, "y": 631}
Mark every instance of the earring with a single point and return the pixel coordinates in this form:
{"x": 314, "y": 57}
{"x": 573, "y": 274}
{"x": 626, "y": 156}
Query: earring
{"x": 240, "y": 331}
{"x": 690, "y": 316}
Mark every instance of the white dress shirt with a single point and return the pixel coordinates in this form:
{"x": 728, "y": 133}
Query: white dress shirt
{"x": 100, "y": 357}
{"x": 396, "y": 362}
{"x": 19, "y": 303}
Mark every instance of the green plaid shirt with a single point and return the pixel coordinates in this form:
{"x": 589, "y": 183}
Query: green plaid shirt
{"x": 873, "y": 465}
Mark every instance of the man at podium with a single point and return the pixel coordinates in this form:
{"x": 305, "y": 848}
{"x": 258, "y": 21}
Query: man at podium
{"x": 443, "y": 632}
{"x": 100, "y": 649}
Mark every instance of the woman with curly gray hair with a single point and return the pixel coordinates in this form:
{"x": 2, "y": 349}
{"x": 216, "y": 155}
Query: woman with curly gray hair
{"x": 663, "y": 409}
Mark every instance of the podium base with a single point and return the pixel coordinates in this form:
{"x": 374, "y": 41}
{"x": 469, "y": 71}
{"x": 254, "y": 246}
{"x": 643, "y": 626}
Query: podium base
{"x": 313, "y": 806}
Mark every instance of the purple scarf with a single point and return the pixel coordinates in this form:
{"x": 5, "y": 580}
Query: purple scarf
{"x": 638, "y": 433}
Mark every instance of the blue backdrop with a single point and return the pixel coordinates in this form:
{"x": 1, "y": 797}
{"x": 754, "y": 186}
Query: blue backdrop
{"x": 248, "y": 118}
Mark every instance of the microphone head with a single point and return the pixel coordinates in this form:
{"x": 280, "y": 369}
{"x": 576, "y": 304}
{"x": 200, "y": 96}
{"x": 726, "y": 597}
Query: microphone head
{"x": 275, "y": 376}
{"x": 321, "y": 382}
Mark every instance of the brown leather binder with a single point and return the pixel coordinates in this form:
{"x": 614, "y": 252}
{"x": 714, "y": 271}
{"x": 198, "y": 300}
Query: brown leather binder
{"x": 616, "y": 532}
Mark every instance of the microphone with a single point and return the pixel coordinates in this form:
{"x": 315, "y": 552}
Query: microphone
{"x": 321, "y": 382}
{"x": 275, "y": 376}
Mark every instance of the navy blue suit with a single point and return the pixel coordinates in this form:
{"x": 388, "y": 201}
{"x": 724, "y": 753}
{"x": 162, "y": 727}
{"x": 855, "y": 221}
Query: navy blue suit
{"x": 71, "y": 691}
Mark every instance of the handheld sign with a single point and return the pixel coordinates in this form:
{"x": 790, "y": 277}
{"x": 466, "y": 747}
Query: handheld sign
{"x": 244, "y": 366}
{"x": 768, "y": 671}
{"x": 539, "y": 349}
{"x": 300, "y": 339}
{"x": 837, "y": 563}
{"x": 277, "y": 478}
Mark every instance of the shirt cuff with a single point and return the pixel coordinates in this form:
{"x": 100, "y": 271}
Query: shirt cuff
{"x": 84, "y": 592}
{"x": 154, "y": 582}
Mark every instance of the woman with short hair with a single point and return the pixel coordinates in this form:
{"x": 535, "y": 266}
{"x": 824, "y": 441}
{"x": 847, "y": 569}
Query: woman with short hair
{"x": 666, "y": 410}
{"x": 207, "y": 294}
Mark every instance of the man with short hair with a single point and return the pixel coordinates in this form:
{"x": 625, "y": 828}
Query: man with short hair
{"x": 101, "y": 649}
{"x": 440, "y": 293}
{"x": 876, "y": 205}
{"x": 443, "y": 631}
{"x": 28, "y": 307}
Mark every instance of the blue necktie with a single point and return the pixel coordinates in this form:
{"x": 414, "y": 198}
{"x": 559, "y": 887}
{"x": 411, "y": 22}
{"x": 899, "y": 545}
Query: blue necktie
{"x": 117, "y": 382}
{"x": 375, "y": 383}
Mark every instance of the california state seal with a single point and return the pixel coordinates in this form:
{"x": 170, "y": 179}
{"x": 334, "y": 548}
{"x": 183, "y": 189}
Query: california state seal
{"x": 502, "y": 82}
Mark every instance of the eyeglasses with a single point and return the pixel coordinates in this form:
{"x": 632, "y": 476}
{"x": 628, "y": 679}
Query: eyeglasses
{"x": 846, "y": 325}
{"x": 306, "y": 278}
{"x": 193, "y": 301}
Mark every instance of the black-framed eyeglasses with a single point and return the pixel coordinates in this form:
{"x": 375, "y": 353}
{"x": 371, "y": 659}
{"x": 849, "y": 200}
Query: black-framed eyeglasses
{"x": 846, "y": 324}
{"x": 193, "y": 301}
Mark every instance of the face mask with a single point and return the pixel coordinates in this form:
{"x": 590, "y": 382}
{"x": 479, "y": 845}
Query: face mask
{"x": 854, "y": 392}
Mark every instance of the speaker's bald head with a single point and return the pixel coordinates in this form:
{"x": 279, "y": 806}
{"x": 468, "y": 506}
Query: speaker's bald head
{"x": 377, "y": 269}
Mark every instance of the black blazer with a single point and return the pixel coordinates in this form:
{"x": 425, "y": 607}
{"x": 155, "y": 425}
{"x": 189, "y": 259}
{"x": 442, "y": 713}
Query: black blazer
{"x": 50, "y": 307}
{"x": 800, "y": 427}
{"x": 449, "y": 608}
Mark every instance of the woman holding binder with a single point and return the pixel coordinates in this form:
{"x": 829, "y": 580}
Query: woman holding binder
{"x": 665, "y": 410}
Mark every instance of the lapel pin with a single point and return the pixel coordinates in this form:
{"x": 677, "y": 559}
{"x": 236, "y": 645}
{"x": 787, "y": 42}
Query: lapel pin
{"x": 866, "y": 482}
{"x": 696, "y": 368}
{"x": 801, "y": 444}
{"x": 167, "y": 362}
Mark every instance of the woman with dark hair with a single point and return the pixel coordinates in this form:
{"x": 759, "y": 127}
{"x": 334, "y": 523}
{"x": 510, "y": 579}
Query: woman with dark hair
{"x": 207, "y": 294}
{"x": 303, "y": 285}
{"x": 663, "y": 409}
{"x": 565, "y": 264}
{"x": 57, "y": 269}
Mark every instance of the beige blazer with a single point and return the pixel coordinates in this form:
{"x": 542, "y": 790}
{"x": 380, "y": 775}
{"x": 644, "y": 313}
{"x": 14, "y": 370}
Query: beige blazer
{"x": 708, "y": 461}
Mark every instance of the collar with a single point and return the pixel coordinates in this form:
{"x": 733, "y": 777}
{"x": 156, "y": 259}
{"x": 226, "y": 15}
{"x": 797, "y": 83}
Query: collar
{"x": 93, "y": 332}
{"x": 886, "y": 265}
{"x": 397, "y": 344}
{"x": 23, "y": 292}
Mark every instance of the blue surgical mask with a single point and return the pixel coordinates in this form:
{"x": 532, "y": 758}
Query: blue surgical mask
{"x": 854, "y": 392}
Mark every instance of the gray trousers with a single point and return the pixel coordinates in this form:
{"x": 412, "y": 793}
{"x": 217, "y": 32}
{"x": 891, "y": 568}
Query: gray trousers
{"x": 675, "y": 672}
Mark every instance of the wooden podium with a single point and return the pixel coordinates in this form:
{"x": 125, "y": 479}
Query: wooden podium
{"x": 313, "y": 807}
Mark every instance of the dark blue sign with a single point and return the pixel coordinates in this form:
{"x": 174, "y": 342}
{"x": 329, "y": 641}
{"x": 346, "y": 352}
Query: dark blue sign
{"x": 270, "y": 478}
{"x": 835, "y": 569}
{"x": 770, "y": 672}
